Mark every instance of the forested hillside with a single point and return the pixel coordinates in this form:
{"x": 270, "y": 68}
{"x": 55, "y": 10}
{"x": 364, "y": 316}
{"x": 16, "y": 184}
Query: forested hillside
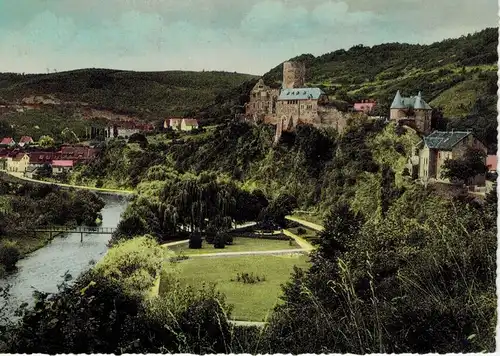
{"x": 146, "y": 94}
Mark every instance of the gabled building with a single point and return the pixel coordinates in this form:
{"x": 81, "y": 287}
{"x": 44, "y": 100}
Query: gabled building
{"x": 262, "y": 102}
{"x": 366, "y": 106}
{"x": 175, "y": 123}
{"x": 189, "y": 124}
{"x": 18, "y": 163}
{"x": 8, "y": 141}
{"x": 412, "y": 111}
{"x": 25, "y": 140}
{"x": 430, "y": 154}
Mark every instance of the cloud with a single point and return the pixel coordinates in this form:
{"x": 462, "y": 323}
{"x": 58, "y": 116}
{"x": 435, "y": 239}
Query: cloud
{"x": 247, "y": 36}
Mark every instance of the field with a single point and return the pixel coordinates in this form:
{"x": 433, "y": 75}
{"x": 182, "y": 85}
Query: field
{"x": 240, "y": 244}
{"x": 251, "y": 302}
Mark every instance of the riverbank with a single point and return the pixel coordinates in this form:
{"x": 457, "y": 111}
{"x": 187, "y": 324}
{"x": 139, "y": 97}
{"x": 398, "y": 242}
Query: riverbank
{"x": 64, "y": 185}
{"x": 46, "y": 262}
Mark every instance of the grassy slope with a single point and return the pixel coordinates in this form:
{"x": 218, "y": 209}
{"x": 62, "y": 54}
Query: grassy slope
{"x": 140, "y": 93}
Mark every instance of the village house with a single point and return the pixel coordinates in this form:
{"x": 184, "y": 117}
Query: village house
{"x": 293, "y": 105}
{"x": 18, "y": 163}
{"x": 430, "y": 154}
{"x": 181, "y": 124}
{"x": 412, "y": 111}
{"x": 189, "y": 124}
{"x": 25, "y": 140}
{"x": 39, "y": 159}
{"x": 8, "y": 141}
{"x": 366, "y": 106}
{"x": 61, "y": 166}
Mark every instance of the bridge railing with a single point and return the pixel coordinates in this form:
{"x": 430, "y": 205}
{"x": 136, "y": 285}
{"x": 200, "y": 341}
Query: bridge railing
{"x": 78, "y": 229}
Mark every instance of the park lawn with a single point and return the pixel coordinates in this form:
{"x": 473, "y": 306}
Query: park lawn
{"x": 240, "y": 244}
{"x": 310, "y": 235}
{"x": 252, "y": 302}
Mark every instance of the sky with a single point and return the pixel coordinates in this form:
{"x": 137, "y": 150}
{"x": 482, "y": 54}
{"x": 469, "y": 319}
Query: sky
{"x": 247, "y": 36}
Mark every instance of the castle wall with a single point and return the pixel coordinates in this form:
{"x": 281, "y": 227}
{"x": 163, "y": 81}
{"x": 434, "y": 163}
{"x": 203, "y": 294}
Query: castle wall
{"x": 423, "y": 121}
{"x": 397, "y": 114}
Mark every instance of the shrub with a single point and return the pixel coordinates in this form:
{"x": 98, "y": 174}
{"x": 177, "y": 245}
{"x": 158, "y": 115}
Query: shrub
{"x": 195, "y": 240}
{"x": 99, "y": 183}
{"x": 301, "y": 231}
{"x": 398, "y": 146}
{"x": 220, "y": 240}
{"x": 9, "y": 255}
{"x": 210, "y": 238}
{"x": 248, "y": 278}
{"x": 134, "y": 263}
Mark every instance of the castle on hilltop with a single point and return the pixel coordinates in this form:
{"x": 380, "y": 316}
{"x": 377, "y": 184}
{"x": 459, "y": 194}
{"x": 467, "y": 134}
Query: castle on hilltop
{"x": 293, "y": 104}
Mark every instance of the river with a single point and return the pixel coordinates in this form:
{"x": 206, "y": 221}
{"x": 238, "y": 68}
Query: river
{"x": 44, "y": 269}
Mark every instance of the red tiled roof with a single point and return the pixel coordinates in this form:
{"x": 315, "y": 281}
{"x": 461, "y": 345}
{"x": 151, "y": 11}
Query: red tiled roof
{"x": 62, "y": 163}
{"x": 491, "y": 162}
{"x": 25, "y": 139}
{"x": 18, "y": 156}
{"x": 6, "y": 141}
{"x": 43, "y": 157}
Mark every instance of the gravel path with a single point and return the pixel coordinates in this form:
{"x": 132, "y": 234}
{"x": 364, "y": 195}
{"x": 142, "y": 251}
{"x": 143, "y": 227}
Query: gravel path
{"x": 248, "y": 253}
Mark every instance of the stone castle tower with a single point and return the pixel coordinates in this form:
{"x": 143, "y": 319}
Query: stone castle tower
{"x": 294, "y": 75}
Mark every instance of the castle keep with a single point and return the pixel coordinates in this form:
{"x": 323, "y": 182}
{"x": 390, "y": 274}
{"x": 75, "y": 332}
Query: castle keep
{"x": 294, "y": 104}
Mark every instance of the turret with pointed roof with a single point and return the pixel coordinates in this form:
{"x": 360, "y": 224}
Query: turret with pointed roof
{"x": 397, "y": 103}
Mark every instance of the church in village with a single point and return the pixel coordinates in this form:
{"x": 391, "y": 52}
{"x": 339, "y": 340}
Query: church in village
{"x": 293, "y": 104}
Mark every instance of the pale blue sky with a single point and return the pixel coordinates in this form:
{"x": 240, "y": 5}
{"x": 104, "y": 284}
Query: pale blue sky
{"x": 249, "y": 36}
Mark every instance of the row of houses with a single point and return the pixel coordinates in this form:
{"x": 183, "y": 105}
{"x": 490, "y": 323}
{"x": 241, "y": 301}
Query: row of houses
{"x": 23, "y": 141}
{"x": 180, "y": 124}
{"x": 65, "y": 159}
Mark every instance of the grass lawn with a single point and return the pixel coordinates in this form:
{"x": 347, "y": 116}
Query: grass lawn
{"x": 310, "y": 235}
{"x": 251, "y": 302}
{"x": 239, "y": 244}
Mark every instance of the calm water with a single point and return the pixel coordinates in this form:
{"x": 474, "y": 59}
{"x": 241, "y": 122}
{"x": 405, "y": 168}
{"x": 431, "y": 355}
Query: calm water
{"x": 44, "y": 269}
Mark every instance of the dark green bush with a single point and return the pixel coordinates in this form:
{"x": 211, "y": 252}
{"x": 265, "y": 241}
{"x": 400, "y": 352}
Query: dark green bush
{"x": 9, "y": 255}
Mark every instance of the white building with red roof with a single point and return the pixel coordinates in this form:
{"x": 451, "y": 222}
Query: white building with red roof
{"x": 25, "y": 140}
{"x": 60, "y": 166}
{"x": 8, "y": 141}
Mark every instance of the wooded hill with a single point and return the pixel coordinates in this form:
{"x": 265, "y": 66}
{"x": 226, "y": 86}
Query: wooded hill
{"x": 145, "y": 94}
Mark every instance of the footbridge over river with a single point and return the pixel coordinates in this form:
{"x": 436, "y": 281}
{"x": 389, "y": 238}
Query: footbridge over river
{"x": 76, "y": 230}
